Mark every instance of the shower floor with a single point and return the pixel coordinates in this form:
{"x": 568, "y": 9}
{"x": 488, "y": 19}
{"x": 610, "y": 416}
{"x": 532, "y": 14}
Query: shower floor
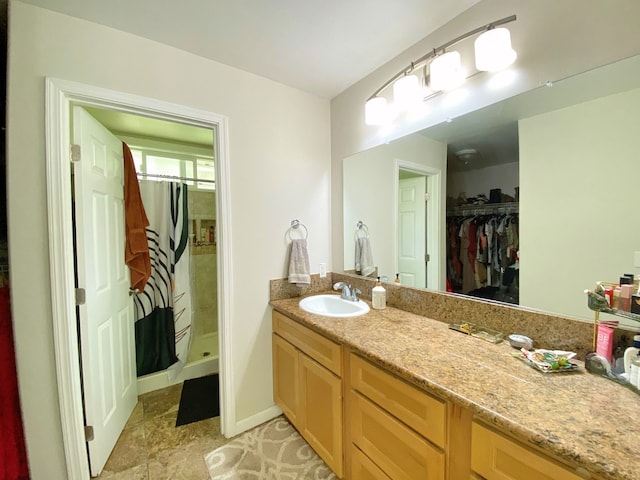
{"x": 203, "y": 346}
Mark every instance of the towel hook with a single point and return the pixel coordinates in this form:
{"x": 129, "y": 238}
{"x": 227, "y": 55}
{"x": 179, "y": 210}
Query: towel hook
{"x": 361, "y": 227}
{"x": 295, "y": 225}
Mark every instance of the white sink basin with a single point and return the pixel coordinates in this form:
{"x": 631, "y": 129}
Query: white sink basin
{"x": 333, "y": 306}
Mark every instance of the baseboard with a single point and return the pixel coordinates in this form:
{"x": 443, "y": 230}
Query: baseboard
{"x": 255, "y": 420}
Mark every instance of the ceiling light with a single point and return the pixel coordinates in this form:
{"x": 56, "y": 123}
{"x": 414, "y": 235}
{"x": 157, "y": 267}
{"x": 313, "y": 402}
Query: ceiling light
{"x": 493, "y": 50}
{"x": 376, "y": 111}
{"x": 467, "y": 155}
{"x": 445, "y": 72}
{"x": 407, "y": 92}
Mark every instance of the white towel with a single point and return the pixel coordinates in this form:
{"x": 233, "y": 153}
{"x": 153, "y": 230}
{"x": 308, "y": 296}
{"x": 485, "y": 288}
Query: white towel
{"x": 364, "y": 257}
{"x": 299, "y": 262}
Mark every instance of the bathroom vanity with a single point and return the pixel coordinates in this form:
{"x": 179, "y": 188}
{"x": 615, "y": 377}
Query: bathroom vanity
{"x": 395, "y": 395}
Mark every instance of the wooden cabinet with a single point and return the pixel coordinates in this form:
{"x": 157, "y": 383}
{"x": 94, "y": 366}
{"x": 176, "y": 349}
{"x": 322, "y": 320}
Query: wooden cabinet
{"x": 386, "y": 428}
{"x": 307, "y": 370}
{"x": 497, "y": 457}
{"x": 393, "y": 426}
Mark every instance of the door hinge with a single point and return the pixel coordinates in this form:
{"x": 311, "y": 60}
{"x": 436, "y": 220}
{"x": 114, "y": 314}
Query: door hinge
{"x": 81, "y": 296}
{"x": 426, "y": 258}
{"x": 88, "y": 433}
{"x": 427, "y": 197}
{"x": 75, "y": 153}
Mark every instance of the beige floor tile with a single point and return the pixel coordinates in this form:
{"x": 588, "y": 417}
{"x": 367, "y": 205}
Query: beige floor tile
{"x": 152, "y": 448}
{"x": 139, "y": 472}
{"x": 130, "y": 450}
{"x": 161, "y": 402}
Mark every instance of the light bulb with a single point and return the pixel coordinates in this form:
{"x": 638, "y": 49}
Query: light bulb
{"x": 493, "y": 50}
{"x": 376, "y": 111}
{"x": 407, "y": 92}
{"x": 445, "y": 72}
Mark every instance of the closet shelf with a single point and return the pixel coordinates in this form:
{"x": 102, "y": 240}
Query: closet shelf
{"x": 485, "y": 209}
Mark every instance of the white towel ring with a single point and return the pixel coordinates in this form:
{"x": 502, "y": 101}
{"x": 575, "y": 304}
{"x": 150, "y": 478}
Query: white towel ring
{"x": 295, "y": 227}
{"x": 362, "y": 231}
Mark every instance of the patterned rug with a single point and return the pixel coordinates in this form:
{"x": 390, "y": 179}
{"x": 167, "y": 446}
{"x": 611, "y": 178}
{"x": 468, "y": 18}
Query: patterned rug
{"x": 272, "y": 451}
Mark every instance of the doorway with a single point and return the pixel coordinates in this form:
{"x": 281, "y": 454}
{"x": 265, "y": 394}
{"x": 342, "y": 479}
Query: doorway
{"x": 60, "y": 95}
{"x": 419, "y": 243}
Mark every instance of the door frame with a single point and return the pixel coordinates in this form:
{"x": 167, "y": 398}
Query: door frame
{"x": 434, "y": 222}
{"x": 60, "y": 95}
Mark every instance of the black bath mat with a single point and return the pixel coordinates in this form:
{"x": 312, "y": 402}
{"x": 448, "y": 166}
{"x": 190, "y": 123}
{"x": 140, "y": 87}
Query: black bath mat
{"x": 200, "y": 399}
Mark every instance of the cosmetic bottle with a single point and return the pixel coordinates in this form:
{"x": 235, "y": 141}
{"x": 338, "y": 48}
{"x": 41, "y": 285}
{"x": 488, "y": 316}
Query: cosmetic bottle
{"x": 626, "y": 291}
{"x": 631, "y": 352}
{"x": 634, "y": 376}
{"x": 618, "y": 354}
{"x": 397, "y": 280}
{"x": 379, "y": 298}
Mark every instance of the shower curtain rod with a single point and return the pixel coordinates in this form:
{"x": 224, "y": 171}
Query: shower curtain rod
{"x": 172, "y": 177}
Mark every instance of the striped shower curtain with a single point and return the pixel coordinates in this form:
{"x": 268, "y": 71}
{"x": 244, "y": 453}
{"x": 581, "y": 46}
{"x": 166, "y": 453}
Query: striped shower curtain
{"x": 163, "y": 309}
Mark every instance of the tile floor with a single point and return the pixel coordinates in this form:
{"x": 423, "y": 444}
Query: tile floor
{"x": 151, "y": 447}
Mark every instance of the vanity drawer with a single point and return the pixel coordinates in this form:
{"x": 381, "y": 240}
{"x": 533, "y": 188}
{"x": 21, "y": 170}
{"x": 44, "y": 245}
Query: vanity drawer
{"x": 424, "y": 413}
{"x": 321, "y": 349}
{"x": 497, "y": 457}
{"x": 396, "y": 449}
{"x": 362, "y": 468}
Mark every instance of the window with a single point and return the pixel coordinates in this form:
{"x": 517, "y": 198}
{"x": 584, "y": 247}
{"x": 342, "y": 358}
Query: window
{"x": 193, "y": 169}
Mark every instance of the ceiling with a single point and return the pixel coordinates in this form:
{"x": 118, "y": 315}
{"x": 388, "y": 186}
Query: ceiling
{"x": 321, "y": 47}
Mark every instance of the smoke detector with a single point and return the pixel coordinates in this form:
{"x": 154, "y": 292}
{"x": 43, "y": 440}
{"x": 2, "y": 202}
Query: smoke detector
{"x": 467, "y": 154}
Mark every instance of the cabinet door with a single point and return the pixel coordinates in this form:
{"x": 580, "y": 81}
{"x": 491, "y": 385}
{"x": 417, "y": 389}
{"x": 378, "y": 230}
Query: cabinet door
{"x": 286, "y": 375}
{"x": 497, "y": 457}
{"x": 321, "y": 393}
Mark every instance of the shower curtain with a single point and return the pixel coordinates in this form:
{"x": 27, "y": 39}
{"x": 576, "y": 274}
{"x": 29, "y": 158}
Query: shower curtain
{"x": 163, "y": 309}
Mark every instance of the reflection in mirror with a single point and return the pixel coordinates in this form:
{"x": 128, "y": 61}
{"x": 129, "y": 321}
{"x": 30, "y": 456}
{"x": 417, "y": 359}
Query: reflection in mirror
{"x": 561, "y": 160}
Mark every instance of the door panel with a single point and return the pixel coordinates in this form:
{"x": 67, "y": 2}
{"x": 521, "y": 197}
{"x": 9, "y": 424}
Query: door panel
{"x": 106, "y": 319}
{"x": 412, "y": 231}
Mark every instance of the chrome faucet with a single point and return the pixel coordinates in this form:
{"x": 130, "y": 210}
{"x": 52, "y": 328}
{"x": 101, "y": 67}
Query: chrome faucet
{"x": 347, "y": 292}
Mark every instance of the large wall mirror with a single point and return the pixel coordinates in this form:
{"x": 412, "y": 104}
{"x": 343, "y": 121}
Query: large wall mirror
{"x": 560, "y": 162}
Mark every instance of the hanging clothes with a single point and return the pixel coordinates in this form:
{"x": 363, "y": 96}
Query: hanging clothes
{"x": 482, "y": 252}
{"x": 163, "y": 310}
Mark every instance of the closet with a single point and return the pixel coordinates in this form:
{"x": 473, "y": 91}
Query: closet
{"x": 482, "y": 251}
{"x": 482, "y": 220}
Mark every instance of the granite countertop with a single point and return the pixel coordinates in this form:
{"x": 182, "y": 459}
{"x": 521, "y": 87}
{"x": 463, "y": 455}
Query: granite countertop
{"x": 584, "y": 418}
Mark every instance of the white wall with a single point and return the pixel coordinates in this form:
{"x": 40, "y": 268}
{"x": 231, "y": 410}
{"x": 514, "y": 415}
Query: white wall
{"x": 279, "y": 144}
{"x": 371, "y": 197}
{"x": 483, "y": 180}
{"x": 553, "y": 39}
{"x": 594, "y": 217}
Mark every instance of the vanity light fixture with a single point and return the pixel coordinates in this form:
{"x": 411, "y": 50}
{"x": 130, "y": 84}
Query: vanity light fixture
{"x": 441, "y": 70}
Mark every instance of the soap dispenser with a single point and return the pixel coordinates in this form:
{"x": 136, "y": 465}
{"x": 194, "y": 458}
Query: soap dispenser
{"x": 630, "y": 353}
{"x": 379, "y": 296}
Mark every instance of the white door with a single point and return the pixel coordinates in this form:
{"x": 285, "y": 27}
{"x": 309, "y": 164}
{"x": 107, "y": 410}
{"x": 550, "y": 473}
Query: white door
{"x": 106, "y": 320}
{"x": 411, "y": 231}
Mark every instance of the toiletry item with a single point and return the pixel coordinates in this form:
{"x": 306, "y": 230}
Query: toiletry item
{"x": 630, "y": 276}
{"x": 635, "y": 303}
{"x": 604, "y": 343}
{"x": 618, "y": 355}
{"x": 608, "y": 293}
{"x": 631, "y": 352}
{"x": 626, "y": 291}
{"x": 615, "y": 302}
{"x": 634, "y": 375}
{"x": 378, "y": 296}
{"x": 397, "y": 280}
